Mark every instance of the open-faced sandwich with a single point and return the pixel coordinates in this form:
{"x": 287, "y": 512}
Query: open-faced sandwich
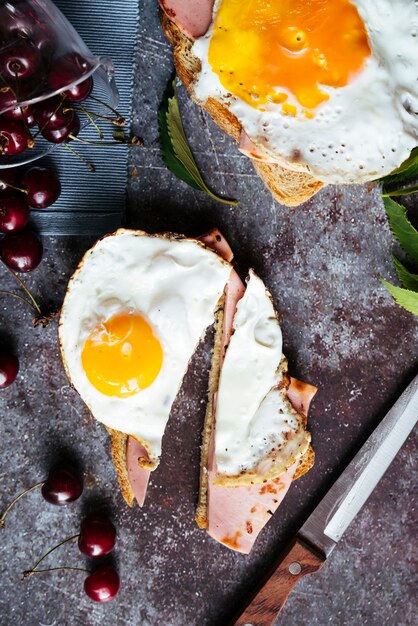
{"x": 314, "y": 92}
{"x": 133, "y": 315}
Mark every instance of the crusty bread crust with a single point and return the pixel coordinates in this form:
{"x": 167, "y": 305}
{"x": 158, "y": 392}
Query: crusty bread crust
{"x": 119, "y": 442}
{"x": 202, "y": 505}
{"x": 287, "y": 186}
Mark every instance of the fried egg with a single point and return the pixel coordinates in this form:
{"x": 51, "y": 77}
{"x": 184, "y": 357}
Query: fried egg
{"x": 325, "y": 86}
{"x": 258, "y": 434}
{"x": 132, "y": 317}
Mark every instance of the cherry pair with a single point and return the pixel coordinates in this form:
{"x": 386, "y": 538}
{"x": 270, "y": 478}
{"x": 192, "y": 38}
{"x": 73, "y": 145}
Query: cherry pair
{"x": 97, "y": 537}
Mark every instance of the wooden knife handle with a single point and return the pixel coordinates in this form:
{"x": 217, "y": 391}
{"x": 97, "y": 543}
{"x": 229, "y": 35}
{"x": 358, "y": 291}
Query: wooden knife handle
{"x": 265, "y": 606}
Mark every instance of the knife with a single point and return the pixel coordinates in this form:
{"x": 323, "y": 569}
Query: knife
{"x": 324, "y": 528}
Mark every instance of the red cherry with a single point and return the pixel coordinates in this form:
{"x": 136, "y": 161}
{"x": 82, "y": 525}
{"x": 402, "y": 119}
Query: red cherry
{"x": 14, "y": 213}
{"x": 7, "y": 98}
{"x": 7, "y": 177}
{"x": 21, "y": 113}
{"x": 80, "y": 91}
{"x": 22, "y": 251}
{"x": 16, "y": 20}
{"x": 19, "y": 60}
{"x": 13, "y": 137}
{"x": 9, "y": 367}
{"x": 50, "y": 114}
{"x": 103, "y": 584}
{"x": 60, "y": 135}
{"x": 68, "y": 69}
{"x": 97, "y": 536}
{"x": 43, "y": 187}
{"x": 63, "y": 485}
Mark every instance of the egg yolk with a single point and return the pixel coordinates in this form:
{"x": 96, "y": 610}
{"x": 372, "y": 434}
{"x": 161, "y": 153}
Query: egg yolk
{"x": 122, "y": 355}
{"x": 269, "y": 50}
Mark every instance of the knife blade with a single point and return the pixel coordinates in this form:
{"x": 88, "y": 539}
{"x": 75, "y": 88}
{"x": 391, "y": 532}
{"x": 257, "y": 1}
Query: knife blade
{"x": 325, "y": 526}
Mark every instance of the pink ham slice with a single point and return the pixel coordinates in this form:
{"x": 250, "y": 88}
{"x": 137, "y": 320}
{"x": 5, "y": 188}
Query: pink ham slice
{"x": 236, "y": 515}
{"x": 247, "y": 147}
{"x": 193, "y": 17}
{"x": 138, "y": 476}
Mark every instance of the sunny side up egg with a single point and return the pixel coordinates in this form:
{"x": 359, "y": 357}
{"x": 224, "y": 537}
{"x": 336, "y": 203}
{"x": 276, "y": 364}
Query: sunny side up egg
{"x": 325, "y": 86}
{"x": 133, "y": 315}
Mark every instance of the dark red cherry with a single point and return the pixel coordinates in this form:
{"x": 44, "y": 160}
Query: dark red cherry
{"x": 80, "y": 91}
{"x": 103, "y": 584}
{"x": 14, "y": 137}
{"x": 19, "y": 60}
{"x": 7, "y": 98}
{"x": 68, "y": 69}
{"x": 22, "y": 251}
{"x": 14, "y": 213}
{"x": 17, "y": 19}
{"x": 59, "y": 135}
{"x": 63, "y": 485}
{"x": 43, "y": 187}
{"x": 7, "y": 177}
{"x": 51, "y": 114}
{"x": 97, "y": 536}
{"x": 9, "y": 367}
{"x": 23, "y": 113}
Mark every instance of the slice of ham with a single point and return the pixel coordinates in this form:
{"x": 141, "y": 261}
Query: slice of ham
{"x": 139, "y": 476}
{"x": 193, "y": 17}
{"x": 236, "y": 515}
{"x": 247, "y": 147}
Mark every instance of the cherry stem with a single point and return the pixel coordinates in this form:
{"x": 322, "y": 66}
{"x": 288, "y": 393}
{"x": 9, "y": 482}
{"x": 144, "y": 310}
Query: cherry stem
{"x": 135, "y": 141}
{"x": 11, "y": 505}
{"x": 22, "y": 284}
{"x": 50, "y": 117}
{"x": 16, "y": 295}
{"x": 35, "y": 567}
{"x": 96, "y": 126}
{"x": 21, "y": 189}
{"x": 107, "y": 106}
{"x": 118, "y": 121}
{"x": 89, "y": 165}
{"x": 29, "y": 573}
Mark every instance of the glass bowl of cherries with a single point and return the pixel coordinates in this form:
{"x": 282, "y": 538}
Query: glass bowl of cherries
{"x": 51, "y": 85}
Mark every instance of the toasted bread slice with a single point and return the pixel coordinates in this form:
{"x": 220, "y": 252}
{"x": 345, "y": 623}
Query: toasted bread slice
{"x": 306, "y": 462}
{"x": 287, "y": 186}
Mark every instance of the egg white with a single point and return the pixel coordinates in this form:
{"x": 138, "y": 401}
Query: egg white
{"x": 366, "y": 129}
{"x": 255, "y": 422}
{"x": 175, "y": 283}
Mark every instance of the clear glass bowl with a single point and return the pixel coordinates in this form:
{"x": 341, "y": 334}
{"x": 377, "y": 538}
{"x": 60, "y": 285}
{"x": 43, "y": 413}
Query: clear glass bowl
{"x": 40, "y": 26}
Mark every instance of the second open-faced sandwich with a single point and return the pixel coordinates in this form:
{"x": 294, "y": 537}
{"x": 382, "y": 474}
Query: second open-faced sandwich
{"x": 314, "y": 92}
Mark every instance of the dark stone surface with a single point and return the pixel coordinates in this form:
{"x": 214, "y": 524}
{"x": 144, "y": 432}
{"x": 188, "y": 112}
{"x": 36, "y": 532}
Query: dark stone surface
{"x": 342, "y": 332}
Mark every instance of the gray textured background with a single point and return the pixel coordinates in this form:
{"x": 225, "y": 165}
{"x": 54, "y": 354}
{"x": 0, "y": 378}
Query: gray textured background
{"x": 342, "y": 332}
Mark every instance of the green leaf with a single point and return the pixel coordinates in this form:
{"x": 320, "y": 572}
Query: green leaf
{"x": 406, "y": 191}
{"x": 407, "y": 170}
{"x": 174, "y": 145}
{"x": 407, "y": 278}
{"x": 402, "y": 228}
{"x": 405, "y": 298}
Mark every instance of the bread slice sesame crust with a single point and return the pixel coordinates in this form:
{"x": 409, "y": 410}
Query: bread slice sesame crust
{"x": 288, "y": 187}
